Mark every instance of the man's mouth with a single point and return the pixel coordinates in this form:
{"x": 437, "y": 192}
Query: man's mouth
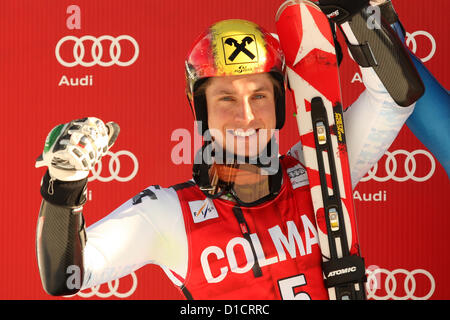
{"x": 242, "y": 133}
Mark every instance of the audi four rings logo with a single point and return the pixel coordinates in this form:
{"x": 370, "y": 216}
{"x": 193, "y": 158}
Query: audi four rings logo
{"x": 115, "y": 51}
{"x": 410, "y": 167}
{"x": 392, "y": 281}
{"x": 411, "y": 40}
{"x": 113, "y": 289}
{"x": 114, "y": 168}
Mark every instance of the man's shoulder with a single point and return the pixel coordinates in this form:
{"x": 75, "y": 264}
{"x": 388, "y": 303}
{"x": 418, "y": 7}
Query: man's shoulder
{"x": 156, "y": 195}
{"x": 296, "y": 152}
{"x": 293, "y": 164}
{"x": 183, "y": 185}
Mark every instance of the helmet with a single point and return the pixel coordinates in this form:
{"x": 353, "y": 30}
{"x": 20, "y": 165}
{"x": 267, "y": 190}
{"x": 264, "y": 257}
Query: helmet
{"x": 233, "y": 47}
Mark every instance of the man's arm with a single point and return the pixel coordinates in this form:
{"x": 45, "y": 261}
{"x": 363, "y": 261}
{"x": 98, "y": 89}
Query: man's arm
{"x": 61, "y": 237}
{"x": 148, "y": 228}
{"x": 393, "y": 85}
{"x": 373, "y": 44}
{"x": 70, "y": 151}
{"x": 374, "y": 120}
{"x": 372, "y": 123}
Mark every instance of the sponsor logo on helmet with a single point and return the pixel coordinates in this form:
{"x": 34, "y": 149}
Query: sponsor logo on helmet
{"x": 240, "y": 48}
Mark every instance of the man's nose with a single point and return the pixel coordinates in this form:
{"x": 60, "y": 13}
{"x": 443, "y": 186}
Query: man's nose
{"x": 245, "y": 112}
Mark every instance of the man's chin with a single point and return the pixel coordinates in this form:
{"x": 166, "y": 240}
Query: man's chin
{"x": 241, "y": 155}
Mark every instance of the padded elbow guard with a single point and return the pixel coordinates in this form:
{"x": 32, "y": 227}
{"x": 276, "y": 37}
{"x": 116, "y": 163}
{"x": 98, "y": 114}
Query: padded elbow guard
{"x": 60, "y": 242}
{"x": 379, "y": 47}
{"x": 373, "y": 43}
{"x": 61, "y": 237}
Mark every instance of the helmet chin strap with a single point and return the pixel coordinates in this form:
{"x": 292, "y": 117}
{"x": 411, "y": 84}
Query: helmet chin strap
{"x": 249, "y": 180}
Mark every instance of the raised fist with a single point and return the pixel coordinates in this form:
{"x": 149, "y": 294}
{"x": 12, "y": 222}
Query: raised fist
{"x": 71, "y": 150}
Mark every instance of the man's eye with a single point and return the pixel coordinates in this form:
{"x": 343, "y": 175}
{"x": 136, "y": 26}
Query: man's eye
{"x": 259, "y": 96}
{"x": 226, "y": 98}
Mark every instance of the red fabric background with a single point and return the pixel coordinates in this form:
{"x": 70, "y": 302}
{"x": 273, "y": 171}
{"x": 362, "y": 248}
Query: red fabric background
{"x": 407, "y": 230}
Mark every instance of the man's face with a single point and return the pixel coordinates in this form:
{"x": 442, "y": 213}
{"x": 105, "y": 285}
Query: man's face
{"x": 241, "y": 112}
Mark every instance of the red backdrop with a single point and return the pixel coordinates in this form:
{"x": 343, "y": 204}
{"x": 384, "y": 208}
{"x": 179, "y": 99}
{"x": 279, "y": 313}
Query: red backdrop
{"x": 403, "y": 225}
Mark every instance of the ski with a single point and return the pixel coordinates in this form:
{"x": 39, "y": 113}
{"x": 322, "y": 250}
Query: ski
{"x": 312, "y": 70}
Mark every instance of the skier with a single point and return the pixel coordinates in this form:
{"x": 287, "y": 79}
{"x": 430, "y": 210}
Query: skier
{"x": 241, "y": 229}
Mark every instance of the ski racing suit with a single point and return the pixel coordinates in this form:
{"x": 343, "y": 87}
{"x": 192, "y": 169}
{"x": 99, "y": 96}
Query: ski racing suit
{"x": 211, "y": 249}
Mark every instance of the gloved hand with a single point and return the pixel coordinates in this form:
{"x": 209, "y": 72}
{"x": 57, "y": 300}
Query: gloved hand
{"x": 71, "y": 150}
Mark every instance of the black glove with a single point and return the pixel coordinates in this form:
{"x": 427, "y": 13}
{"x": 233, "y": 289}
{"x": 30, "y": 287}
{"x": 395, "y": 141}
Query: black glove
{"x": 340, "y": 11}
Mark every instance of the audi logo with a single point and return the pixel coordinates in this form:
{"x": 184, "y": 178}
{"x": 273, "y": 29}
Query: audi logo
{"x": 113, "y": 290}
{"x": 114, "y": 168}
{"x": 392, "y": 282}
{"x": 97, "y": 51}
{"x": 411, "y": 40}
{"x": 410, "y": 166}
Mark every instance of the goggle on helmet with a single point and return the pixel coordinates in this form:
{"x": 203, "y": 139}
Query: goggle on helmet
{"x": 233, "y": 47}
